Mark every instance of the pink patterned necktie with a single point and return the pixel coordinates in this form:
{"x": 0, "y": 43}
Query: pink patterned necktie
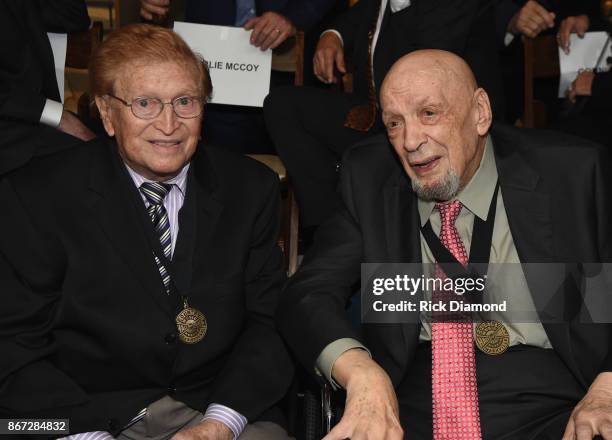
{"x": 455, "y": 394}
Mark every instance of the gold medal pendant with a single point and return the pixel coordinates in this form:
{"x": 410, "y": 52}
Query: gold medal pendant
{"x": 191, "y": 324}
{"x": 492, "y": 337}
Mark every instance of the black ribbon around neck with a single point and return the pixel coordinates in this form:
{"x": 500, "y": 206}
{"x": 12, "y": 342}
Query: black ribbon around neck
{"x": 480, "y": 249}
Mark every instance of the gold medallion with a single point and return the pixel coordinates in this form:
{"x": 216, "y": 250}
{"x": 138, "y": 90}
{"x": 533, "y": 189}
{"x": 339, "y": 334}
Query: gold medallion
{"x": 492, "y": 337}
{"x": 191, "y": 324}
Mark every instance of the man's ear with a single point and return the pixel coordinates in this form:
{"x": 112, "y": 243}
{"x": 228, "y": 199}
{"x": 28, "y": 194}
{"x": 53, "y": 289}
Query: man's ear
{"x": 483, "y": 114}
{"x": 102, "y": 102}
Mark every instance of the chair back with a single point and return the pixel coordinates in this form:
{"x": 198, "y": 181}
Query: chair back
{"x": 289, "y": 57}
{"x": 81, "y": 45}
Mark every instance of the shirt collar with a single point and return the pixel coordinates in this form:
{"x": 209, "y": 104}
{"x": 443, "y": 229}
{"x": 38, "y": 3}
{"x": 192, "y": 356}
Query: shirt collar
{"x": 179, "y": 181}
{"x": 477, "y": 194}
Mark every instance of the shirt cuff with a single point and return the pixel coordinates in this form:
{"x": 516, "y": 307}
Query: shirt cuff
{"x": 52, "y": 113}
{"x": 399, "y": 5}
{"x": 331, "y": 353}
{"x": 508, "y": 38}
{"x": 333, "y": 31}
{"x": 235, "y": 421}
{"x": 94, "y": 435}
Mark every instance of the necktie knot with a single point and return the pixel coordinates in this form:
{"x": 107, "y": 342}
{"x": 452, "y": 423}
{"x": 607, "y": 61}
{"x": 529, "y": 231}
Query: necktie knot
{"x": 449, "y": 212}
{"x": 155, "y": 192}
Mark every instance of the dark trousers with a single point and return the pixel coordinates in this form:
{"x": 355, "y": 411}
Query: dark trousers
{"x": 526, "y": 393}
{"x": 307, "y": 127}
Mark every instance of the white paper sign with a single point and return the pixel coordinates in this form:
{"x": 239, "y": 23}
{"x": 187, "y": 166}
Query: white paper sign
{"x": 59, "y": 45}
{"x": 240, "y": 72}
{"x": 584, "y": 53}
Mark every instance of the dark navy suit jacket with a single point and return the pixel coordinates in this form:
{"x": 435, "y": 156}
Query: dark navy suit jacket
{"x": 303, "y": 13}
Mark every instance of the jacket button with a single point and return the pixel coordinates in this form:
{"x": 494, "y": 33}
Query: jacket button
{"x": 171, "y": 391}
{"x": 170, "y": 338}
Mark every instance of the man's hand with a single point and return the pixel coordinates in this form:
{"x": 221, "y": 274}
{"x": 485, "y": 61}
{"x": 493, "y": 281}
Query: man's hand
{"x": 329, "y": 53}
{"x": 578, "y": 24}
{"x": 70, "y": 124}
{"x": 269, "y": 30}
{"x": 207, "y": 430}
{"x": 151, "y": 8}
{"x": 532, "y": 19}
{"x": 371, "y": 410}
{"x": 581, "y": 86}
{"x": 593, "y": 414}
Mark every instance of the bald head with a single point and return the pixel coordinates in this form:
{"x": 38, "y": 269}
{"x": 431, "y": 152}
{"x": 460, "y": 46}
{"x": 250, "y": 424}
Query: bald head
{"x": 437, "y": 68}
{"x": 437, "y": 120}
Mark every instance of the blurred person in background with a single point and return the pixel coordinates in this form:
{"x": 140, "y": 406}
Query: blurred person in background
{"x": 271, "y": 23}
{"x": 33, "y": 120}
{"x": 311, "y": 128}
{"x": 517, "y": 19}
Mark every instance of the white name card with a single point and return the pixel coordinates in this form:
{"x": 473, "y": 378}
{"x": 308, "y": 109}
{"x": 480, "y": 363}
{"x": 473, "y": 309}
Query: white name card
{"x": 240, "y": 72}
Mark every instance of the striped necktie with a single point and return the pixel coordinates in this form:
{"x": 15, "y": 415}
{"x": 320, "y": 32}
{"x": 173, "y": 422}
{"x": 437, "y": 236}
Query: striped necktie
{"x": 155, "y": 193}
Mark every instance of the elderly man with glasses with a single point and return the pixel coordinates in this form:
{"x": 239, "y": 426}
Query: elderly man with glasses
{"x": 140, "y": 274}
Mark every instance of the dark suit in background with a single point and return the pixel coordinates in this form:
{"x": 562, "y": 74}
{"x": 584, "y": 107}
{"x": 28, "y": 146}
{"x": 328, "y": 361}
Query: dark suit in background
{"x": 88, "y": 332}
{"x": 593, "y": 122}
{"x": 303, "y": 14}
{"x": 511, "y": 56}
{"x": 307, "y": 125}
{"x": 243, "y": 128}
{"x": 547, "y": 199}
{"x": 27, "y": 75}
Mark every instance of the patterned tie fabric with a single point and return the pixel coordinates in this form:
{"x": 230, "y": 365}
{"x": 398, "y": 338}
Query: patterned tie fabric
{"x": 454, "y": 389}
{"x": 362, "y": 117}
{"x": 155, "y": 193}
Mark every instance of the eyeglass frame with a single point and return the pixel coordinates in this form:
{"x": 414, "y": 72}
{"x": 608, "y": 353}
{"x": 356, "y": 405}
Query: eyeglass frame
{"x": 171, "y": 103}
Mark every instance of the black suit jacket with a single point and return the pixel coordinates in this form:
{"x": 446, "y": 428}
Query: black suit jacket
{"x": 87, "y": 329}
{"x": 506, "y": 9}
{"x": 465, "y": 27}
{"x": 302, "y": 13}
{"x": 556, "y": 193}
{"x": 601, "y": 90}
{"x": 27, "y": 74}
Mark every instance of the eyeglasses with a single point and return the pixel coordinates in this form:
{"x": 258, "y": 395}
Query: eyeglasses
{"x": 187, "y": 107}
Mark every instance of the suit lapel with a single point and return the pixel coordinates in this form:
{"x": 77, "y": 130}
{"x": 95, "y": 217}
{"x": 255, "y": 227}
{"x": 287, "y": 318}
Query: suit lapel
{"x": 529, "y": 218}
{"x": 401, "y": 220}
{"x": 403, "y": 243}
{"x": 182, "y": 261}
{"x": 122, "y": 222}
{"x": 529, "y": 215}
{"x": 208, "y": 207}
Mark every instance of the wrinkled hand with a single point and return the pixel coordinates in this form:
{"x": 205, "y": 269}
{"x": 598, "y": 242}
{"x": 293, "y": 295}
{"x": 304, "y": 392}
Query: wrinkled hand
{"x": 150, "y": 8}
{"x": 329, "y": 53}
{"x": 269, "y": 30}
{"x": 578, "y": 24}
{"x": 593, "y": 414}
{"x": 206, "y": 430}
{"x": 71, "y": 125}
{"x": 371, "y": 410}
{"x": 581, "y": 86}
{"x": 532, "y": 19}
